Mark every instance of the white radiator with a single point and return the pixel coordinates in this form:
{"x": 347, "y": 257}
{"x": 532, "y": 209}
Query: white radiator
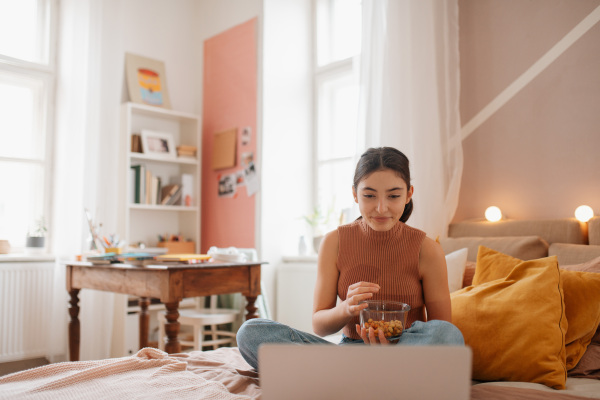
{"x": 25, "y": 309}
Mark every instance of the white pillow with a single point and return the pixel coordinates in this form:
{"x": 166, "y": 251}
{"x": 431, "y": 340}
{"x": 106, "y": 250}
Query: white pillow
{"x": 456, "y": 262}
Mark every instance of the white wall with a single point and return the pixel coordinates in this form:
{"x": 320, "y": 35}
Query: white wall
{"x": 286, "y": 132}
{"x": 158, "y": 29}
{"x": 174, "y": 31}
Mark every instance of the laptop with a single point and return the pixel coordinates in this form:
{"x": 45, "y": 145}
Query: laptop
{"x": 289, "y": 371}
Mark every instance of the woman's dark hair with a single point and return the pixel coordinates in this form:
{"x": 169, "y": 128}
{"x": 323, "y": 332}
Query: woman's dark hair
{"x": 380, "y": 158}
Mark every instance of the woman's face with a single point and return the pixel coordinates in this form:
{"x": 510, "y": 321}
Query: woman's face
{"x": 381, "y": 198}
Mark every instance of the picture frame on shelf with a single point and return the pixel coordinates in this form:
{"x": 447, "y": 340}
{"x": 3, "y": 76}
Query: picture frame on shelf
{"x": 146, "y": 81}
{"x": 158, "y": 144}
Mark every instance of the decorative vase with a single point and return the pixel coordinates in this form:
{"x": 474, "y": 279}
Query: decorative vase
{"x": 4, "y": 247}
{"x": 35, "y": 241}
{"x": 35, "y": 244}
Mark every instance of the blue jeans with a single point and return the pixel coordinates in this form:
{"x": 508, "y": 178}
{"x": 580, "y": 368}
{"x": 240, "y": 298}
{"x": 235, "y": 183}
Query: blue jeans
{"x": 255, "y": 332}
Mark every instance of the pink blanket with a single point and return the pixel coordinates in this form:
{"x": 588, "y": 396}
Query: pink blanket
{"x": 151, "y": 373}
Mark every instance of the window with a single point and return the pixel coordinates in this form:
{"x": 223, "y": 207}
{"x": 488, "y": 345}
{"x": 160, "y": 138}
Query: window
{"x": 337, "y": 47}
{"x": 26, "y": 88}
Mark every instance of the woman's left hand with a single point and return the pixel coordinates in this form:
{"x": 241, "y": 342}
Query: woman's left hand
{"x": 369, "y": 337}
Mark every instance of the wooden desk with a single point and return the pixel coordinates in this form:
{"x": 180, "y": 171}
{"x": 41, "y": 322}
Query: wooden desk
{"x": 169, "y": 283}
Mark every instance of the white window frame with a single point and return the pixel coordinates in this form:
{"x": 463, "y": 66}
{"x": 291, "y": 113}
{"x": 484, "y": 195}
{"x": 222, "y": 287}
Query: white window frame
{"x": 46, "y": 74}
{"x": 323, "y": 73}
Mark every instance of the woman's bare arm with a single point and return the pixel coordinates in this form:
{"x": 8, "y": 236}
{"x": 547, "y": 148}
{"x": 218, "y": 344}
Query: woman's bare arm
{"x": 328, "y": 316}
{"x": 432, "y": 265}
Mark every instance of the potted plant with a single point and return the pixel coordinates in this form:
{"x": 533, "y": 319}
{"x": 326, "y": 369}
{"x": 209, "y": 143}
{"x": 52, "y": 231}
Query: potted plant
{"x": 36, "y": 235}
{"x": 319, "y": 222}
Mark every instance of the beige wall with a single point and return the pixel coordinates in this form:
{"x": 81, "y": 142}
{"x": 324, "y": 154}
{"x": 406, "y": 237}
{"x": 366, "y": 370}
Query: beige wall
{"x": 538, "y": 155}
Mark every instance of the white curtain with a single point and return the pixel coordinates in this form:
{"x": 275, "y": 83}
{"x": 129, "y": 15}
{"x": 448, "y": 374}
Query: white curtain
{"x": 410, "y": 99}
{"x": 76, "y": 163}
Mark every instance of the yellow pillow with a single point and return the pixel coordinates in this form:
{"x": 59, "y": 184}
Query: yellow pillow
{"x": 516, "y": 325}
{"x": 492, "y": 265}
{"x": 581, "y": 292}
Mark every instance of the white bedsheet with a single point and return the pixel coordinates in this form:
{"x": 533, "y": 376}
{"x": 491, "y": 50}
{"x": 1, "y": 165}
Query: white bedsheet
{"x": 582, "y": 387}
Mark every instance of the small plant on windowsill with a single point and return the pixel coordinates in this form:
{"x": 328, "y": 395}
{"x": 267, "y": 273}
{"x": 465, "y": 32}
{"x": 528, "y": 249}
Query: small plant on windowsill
{"x": 36, "y": 236}
{"x": 319, "y": 222}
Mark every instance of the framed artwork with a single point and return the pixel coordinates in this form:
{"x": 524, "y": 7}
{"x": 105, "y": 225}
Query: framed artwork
{"x": 158, "y": 144}
{"x": 146, "y": 81}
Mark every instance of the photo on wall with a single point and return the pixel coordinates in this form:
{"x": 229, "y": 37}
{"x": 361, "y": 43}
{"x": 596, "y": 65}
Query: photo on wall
{"x": 146, "y": 81}
{"x": 227, "y": 185}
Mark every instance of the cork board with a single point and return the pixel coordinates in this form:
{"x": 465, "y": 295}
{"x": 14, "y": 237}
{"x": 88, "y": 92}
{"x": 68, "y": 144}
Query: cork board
{"x": 224, "y": 149}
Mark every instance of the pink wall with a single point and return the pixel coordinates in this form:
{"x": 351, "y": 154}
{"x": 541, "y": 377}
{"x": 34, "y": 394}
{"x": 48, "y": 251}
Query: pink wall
{"x": 229, "y": 101}
{"x": 537, "y": 155}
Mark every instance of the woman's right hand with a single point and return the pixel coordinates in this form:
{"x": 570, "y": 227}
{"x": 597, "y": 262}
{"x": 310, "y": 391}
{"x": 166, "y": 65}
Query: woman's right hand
{"x": 358, "y": 292}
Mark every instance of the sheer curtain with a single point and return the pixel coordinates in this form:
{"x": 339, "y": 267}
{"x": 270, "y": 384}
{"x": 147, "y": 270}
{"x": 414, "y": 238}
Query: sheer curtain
{"x": 76, "y": 161}
{"x": 410, "y": 99}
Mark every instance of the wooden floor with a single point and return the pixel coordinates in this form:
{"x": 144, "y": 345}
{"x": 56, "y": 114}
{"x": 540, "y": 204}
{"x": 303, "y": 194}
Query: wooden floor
{"x": 21, "y": 365}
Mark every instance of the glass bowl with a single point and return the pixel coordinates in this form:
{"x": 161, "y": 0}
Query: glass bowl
{"x": 387, "y": 315}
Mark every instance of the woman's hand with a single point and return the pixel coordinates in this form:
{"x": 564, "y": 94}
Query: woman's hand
{"x": 369, "y": 337}
{"x": 358, "y": 292}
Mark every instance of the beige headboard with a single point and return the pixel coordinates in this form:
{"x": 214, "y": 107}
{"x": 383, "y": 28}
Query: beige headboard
{"x": 594, "y": 231}
{"x": 567, "y": 230}
{"x": 528, "y": 239}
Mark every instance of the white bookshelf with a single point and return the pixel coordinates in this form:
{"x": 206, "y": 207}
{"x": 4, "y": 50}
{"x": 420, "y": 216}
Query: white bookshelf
{"x": 144, "y": 222}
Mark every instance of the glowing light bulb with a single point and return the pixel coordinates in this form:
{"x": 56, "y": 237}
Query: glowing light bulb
{"x": 493, "y": 214}
{"x": 584, "y": 213}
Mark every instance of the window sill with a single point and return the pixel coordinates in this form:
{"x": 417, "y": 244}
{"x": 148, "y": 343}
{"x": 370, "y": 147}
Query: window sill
{"x": 22, "y": 257}
{"x": 301, "y": 259}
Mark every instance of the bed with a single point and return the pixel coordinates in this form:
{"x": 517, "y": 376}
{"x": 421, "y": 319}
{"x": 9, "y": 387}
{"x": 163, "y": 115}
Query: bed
{"x": 529, "y": 306}
{"x": 532, "y": 352}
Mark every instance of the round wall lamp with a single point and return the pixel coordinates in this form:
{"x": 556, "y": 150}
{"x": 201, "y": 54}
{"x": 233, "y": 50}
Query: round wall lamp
{"x": 584, "y": 213}
{"x": 493, "y": 214}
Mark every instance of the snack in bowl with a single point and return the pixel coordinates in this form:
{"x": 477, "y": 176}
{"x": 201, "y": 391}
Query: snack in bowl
{"x": 388, "y": 316}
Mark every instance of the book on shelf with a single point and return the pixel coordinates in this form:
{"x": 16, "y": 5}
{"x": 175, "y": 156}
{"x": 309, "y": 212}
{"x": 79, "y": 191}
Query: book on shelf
{"x": 176, "y": 197}
{"x": 148, "y": 195}
{"x": 132, "y": 183}
{"x": 149, "y": 188}
{"x": 186, "y": 151}
{"x": 142, "y": 184}
{"x": 136, "y": 182}
{"x": 136, "y": 143}
{"x": 154, "y": 189}
{"x": 167, "y": 192}
{"x": 158, "y": 194}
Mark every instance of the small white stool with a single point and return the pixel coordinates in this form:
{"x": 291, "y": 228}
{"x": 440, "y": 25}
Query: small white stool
{"x": 199, "y": 318}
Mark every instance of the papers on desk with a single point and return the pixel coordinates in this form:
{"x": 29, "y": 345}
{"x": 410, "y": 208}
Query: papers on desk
{"x": 147, "y": 258}
{"x": 109, "y": 258}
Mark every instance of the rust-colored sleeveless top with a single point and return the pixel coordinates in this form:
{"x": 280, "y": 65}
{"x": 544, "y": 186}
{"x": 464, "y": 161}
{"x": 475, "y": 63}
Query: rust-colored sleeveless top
{"x": 390, "y": 259}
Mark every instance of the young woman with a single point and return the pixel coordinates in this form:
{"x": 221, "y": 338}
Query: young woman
{"x": 376, "y": 257}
